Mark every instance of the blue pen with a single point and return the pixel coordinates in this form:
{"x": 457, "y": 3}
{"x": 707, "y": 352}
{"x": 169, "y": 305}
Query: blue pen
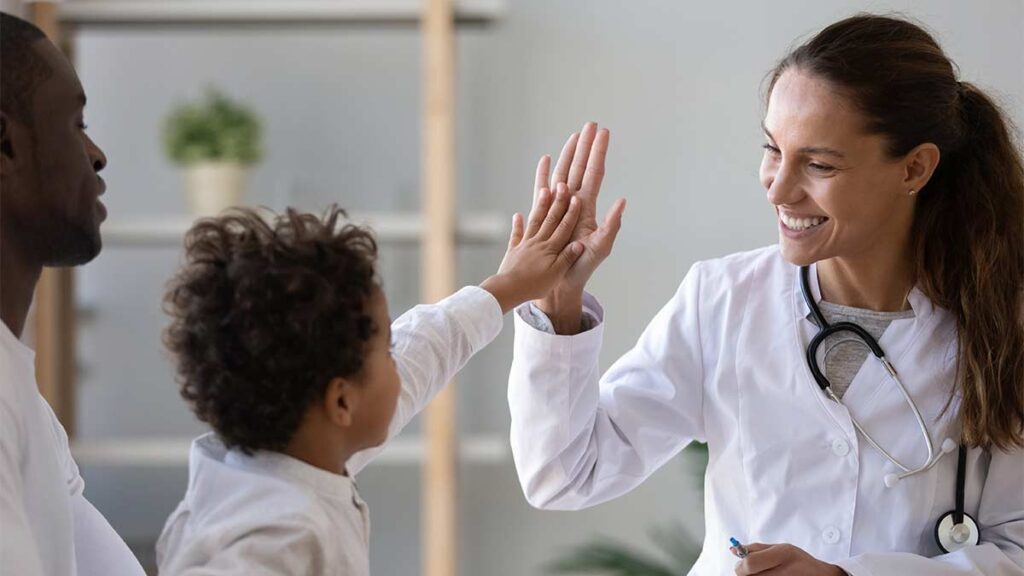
{"x": 741, "y": 550}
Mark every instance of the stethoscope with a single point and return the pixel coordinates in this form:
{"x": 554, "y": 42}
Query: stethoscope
{"x": 955, "y": 529}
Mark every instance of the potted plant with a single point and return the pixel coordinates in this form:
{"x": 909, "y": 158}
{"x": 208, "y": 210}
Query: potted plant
{"x": 216, "y": 140}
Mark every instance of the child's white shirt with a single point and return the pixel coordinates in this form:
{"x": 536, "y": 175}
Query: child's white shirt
{"x": 272, "y": 514}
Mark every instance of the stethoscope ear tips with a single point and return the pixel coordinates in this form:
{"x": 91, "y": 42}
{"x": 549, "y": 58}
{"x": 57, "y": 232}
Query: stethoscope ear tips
{"x": 948, "y": 445}
{"x": 891, "y": 480}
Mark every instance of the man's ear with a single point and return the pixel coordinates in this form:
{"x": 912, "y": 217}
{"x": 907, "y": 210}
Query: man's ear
{"x": 341, "y": 400}
{"x": 6, "y": 147}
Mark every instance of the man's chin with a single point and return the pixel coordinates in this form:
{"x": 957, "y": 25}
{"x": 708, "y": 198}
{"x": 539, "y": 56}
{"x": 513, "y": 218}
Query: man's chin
{"x": 76, "y": 249}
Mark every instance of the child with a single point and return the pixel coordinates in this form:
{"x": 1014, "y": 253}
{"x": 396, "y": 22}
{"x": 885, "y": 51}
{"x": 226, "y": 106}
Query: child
{"x": 284, "y": 346}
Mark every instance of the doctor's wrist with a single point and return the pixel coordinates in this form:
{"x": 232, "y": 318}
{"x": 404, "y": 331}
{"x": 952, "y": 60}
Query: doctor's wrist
{"x": 564, "y": 309}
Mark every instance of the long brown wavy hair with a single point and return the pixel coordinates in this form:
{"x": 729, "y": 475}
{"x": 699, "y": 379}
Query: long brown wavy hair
{"x": 968, "y": 229}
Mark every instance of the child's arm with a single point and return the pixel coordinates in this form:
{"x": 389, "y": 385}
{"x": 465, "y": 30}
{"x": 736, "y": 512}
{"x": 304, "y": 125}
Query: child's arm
{"x": 433, "y": 342}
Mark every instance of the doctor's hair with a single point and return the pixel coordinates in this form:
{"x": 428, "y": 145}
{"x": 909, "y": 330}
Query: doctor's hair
{"x": 264, "y": 313}
{"x": 22, "y": 67}
{"x": 968, "y": 229}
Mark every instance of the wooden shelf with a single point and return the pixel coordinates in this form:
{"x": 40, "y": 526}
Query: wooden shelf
{"x": 81, "y": 12}
{"x": 390, "y": 227}
{"x": 173, "y": 452}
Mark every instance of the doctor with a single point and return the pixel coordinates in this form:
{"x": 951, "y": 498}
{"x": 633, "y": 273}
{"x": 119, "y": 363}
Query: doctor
{"x": 900, "y": 190}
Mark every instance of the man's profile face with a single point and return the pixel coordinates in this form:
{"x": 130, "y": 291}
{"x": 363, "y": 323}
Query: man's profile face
{"x": 51, "y": 183}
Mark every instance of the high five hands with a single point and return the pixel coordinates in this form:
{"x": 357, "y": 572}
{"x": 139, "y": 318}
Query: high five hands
{"x": 579, "y": 171}
{"x": 551, "y": 257}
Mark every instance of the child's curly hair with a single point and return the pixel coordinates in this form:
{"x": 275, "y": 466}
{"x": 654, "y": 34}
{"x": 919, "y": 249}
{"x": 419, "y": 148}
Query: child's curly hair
{"x": 264, "y": 314}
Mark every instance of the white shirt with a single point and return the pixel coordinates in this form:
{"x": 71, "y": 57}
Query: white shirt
{"x": 47, "y": 527}
{"x": 270, "y": 514}
{"x": 723, "y": 362}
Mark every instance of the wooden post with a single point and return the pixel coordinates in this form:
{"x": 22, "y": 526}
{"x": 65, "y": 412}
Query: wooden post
{"x": 440, "y": 529}
{"x": 54, "y": 298}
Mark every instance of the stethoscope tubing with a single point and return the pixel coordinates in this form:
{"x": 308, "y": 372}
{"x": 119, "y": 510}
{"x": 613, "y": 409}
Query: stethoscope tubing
{"x": 961, "y": 529}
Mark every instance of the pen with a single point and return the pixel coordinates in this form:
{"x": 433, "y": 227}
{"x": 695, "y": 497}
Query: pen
{"x": 741, "y": 550}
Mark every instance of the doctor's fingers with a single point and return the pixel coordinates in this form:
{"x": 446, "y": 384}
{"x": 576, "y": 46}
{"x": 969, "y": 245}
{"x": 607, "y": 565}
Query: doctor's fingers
{"x": 604, "y": 238}
{"x": 593, "y": 175}
{"x": 565, "y": 159}
{"x": 563, "y": 201}
{"x": 764, "y": 559}
{"x": 582, "y": 156}
{"x": 540, "y": 180}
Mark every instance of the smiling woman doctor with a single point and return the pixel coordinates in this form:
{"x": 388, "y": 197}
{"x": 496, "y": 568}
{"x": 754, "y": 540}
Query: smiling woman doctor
{"x": 892, "y": 446}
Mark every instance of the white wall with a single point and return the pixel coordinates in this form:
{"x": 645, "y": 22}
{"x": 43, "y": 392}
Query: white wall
{"x": 14, "y": 7}
{"x": 678, "y": 84}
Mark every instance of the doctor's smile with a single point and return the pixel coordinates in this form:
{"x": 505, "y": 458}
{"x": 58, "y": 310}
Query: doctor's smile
{"x": 861, "y": 415}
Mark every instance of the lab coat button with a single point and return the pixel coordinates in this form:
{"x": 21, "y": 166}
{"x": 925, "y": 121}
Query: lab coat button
{"x": 830, "y": 535}
{"x": 840, "y": 447}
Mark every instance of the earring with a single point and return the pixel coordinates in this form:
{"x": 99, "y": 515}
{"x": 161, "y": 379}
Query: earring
{"x": 912, "y": 192}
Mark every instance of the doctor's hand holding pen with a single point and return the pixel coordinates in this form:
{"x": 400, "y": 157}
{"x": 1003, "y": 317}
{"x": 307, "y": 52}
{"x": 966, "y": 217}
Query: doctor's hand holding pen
{"x": 580, "y": 169}
{"x": 772, "y": 559}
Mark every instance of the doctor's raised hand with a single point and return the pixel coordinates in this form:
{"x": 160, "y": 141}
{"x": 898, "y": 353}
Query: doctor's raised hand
{"x": 539, "y": 252}
{"x": 580, "y": 171}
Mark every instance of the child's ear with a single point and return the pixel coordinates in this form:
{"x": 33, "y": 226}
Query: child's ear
{"x": 341, "y": 401}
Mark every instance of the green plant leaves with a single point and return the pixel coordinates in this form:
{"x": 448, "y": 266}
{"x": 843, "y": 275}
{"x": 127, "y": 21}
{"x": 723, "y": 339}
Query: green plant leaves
{"x": 215, "y": 129}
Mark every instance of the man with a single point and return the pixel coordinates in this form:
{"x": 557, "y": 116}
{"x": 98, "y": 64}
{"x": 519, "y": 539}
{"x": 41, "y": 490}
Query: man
{"x": 50, "y": 215}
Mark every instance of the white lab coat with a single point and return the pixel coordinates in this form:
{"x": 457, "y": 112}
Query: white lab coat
{"x": 724, "y": 363}
{"x": 270, "y": 514}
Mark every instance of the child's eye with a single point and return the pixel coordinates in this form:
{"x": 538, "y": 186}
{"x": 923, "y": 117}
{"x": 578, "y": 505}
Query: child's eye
{"x": 771, "y": 149}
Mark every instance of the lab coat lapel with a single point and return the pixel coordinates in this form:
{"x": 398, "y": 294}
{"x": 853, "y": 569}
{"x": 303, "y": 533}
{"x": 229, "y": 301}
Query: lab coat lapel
{"x": 806, "y": 329}
{"x": 873, "y": 398}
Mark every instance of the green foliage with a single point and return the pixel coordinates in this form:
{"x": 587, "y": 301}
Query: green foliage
{"x": 214, "y": 129}
{"x": 608, "y": 558}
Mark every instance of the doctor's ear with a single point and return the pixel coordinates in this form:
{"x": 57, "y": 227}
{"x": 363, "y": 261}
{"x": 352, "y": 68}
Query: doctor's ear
{"x": 341, "y": 400}
{"x": 919, "y": 165}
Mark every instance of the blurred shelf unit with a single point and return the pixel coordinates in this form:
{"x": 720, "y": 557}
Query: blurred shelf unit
{"x": 172, "y": 452}
{"x": 389, "y": 227}
{"x": 137, "y": 12}
{"x": 436, "y": 229}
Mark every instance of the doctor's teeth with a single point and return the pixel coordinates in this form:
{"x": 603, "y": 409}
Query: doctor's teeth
{"x": 801, "y": 223}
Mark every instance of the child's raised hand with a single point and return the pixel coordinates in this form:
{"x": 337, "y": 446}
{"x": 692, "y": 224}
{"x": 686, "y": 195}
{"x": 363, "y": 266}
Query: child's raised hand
{"x": 538, "y": 256}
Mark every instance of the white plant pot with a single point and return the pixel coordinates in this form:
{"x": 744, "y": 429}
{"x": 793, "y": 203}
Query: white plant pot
{"x": 211, "y": 187}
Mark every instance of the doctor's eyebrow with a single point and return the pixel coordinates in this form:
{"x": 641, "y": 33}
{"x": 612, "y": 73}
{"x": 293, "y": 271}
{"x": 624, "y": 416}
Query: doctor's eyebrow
{"x": 806, "y": 150}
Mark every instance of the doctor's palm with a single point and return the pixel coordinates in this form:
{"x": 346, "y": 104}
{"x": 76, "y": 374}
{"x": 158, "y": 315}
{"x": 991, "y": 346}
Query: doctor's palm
{"x": 580, "y": 168}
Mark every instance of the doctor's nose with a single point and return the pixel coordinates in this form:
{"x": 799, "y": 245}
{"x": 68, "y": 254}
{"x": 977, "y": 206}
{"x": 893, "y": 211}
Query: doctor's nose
{"x": 781, "y": 187}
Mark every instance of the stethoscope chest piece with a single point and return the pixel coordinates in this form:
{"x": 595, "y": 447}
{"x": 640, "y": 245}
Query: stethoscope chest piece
{"x": 951, "y": 536}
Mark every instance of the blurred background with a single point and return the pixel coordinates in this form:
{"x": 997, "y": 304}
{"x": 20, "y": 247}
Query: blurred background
{"x": 339, "y": 103}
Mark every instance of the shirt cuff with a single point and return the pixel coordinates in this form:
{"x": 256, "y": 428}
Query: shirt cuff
{"x": 853, "y": 567}
{"x": 537, "y": 319}
{"x": 478, "y": 314}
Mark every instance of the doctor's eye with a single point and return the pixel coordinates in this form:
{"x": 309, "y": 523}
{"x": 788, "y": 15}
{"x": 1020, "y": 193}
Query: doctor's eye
{"x": 821, "y": 168}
